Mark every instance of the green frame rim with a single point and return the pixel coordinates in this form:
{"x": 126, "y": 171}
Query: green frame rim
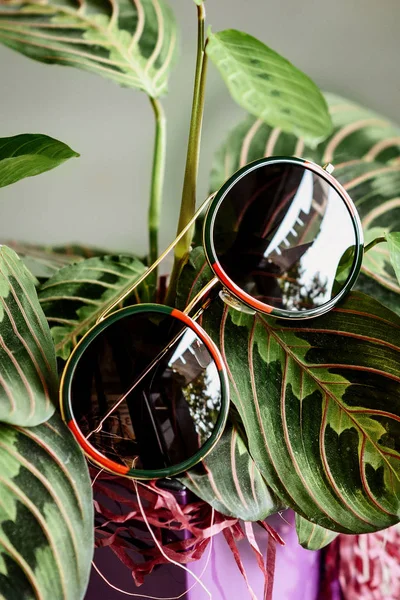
{"x": 242, "y": 296}
{"x": 89, "y": 450}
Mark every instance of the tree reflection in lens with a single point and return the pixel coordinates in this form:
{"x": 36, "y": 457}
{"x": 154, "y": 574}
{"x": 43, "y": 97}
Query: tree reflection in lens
{"x": 169, "y": 415}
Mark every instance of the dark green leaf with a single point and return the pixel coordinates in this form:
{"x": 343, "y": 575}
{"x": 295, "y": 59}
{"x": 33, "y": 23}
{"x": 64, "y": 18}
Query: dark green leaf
{"x": 311, "y": 536}
{"x": 46, "y": 514}
{"x": 76, "y": 296}
{"x": 319, "y": 401}
{"x": 132, "y": 43}
{"x": 268, "y": 86}
{"x": 393, "y": 240}
{"x": 229, "y": 480}
{"x": 382, "y": 294}
{"x": 29, "y": 154}
{"x": 28, "y": 374}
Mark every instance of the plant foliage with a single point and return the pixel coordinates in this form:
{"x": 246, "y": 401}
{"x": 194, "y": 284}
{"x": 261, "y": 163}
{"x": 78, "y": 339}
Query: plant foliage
{"x": 46, "y": 513}
{"x": 28, "y": 376}
{"x": 268, "y": 86}
{"x": 77, "y": 295}
{"x": 30, "y": 154}
{"x": 132, "y": 43}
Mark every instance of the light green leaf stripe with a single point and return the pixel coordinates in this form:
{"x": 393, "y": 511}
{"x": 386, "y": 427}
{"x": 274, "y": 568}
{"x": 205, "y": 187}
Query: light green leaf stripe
{"x": 45, "y": 513}
{"x": 30, "y": 154}
{"x": 75, "y": 297}
{"x": 393, "y": 240}
{"x": 311, "y": 536}
{"x": 268, "y": 86}
{"x": 28, "y": 373}
{"x": 132, "y": 42}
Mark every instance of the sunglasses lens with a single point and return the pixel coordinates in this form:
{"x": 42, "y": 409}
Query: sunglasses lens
{"x": 285, "y": 236}
{"x": 169, "y": 415}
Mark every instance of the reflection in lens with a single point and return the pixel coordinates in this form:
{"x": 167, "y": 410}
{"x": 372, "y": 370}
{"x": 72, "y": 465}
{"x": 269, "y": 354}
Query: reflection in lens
{"x": 285, "y": 236}
{"x": 167, "y": 417}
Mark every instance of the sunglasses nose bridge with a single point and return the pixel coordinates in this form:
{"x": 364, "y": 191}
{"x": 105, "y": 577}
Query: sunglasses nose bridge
{"x": 233, "y": 302}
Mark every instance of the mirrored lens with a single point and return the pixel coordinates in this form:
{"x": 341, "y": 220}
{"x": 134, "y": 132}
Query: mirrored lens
{"x": 285, "y": 236}
{"x": 165, "y": 418}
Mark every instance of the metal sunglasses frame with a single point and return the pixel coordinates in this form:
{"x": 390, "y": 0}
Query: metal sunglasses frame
{"x": 235, "y": 297}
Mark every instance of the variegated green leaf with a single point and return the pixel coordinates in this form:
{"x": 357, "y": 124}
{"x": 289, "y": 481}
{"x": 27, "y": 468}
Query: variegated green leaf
{"x": 269, "y": 86}
{"x": 393, "y": 240}
{"x": 311, "y": 536}
{"x": 132, "y": 42}
{"x": 28, "y": 373}
{"x": 30, "y": 154}
{"x": 319, "y": 403}
{"x": 374, "y": 189}
{"x": 358, "y": 133}
{"x": 46, "y": 514}
{"x": 229, "y": 480}
{"x": 76, "y": 296}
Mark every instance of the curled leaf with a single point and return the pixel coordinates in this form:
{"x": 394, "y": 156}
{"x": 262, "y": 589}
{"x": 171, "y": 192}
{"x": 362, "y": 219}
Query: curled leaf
{"x": 393, "y": 240}
{"x": 312, "y": 536}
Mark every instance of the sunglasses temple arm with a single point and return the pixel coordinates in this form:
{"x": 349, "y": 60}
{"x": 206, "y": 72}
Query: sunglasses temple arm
{"x": 204, "y": 295}
{"x": 129, "y": 291}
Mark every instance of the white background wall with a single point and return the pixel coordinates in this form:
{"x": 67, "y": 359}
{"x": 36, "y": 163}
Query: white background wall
{"x": 350, "y": 47}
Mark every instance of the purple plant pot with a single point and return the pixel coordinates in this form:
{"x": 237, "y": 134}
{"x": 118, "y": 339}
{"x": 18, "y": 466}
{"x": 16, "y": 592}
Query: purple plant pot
{"x": 296, "y": 572}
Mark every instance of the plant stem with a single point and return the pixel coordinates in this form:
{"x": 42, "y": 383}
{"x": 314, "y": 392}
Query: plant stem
{"x": 378, "y": 240}
{"x": 157, "y": 179}
{"x": 188, "y": 203}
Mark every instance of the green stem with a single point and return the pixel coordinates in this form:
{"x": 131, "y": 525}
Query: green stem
{"x": 188, "y": 203}
{"x": 157, "y": 179}
{"x": 378, "y": 240}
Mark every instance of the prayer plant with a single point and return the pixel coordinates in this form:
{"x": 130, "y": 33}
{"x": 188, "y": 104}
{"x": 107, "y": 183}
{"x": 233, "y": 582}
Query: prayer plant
{"x": 315, "y": 414}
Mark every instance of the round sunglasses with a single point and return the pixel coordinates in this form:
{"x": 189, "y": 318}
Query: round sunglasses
{"x": 145, "y": 392}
